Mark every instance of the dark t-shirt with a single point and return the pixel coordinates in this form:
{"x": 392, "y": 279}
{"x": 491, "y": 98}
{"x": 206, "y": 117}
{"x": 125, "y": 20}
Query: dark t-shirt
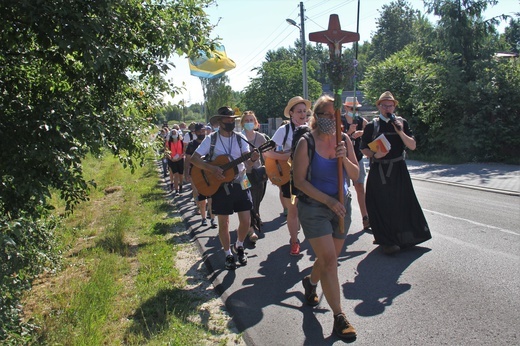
{"x": 388, "y": 129}
{"x": 190, "y": 149}
{"x": 356, "y": 142}
{"x": 192, "y": 146}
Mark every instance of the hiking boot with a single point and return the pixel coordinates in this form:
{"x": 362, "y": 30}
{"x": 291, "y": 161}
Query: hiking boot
{"x": 391, "y": 249}
{"x": 366, "y": 222}
{"x": 230, "y": 262}
{"x": 180, "y": 188}
{"x": 242, "y": 257}
{"x": 253, "y": 237}
{"x": 213, "y": 223}
{"x": 204, "y": 222}
{"x": 295, "y": 249}
{"x": 342, "y": 328}
{"x": 310, "y": 292}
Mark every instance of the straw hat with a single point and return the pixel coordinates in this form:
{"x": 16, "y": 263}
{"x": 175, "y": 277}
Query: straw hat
{"x": 294, "y": 101}
{"x": 349, "y": 102}
{"x": 223, "y": 112}
{"x": 387, "y": 96}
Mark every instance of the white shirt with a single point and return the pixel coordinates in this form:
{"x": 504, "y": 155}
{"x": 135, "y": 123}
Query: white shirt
{"x": 186, "y": 137}
{"x": 279, "y": 135}
{"x": 225, "y": 146}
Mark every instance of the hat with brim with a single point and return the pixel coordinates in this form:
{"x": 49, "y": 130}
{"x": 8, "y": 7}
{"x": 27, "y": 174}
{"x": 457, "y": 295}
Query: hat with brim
{"x": 349, "y": 102}
{"x": 223, "y": 112}
{"x": 387, "y": 96}
{"x": 216, "y": 118}
{"x": 293, "y": 102}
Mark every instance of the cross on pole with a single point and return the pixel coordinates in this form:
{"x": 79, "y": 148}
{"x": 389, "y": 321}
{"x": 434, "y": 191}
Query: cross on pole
{"x": 335, "y": 37}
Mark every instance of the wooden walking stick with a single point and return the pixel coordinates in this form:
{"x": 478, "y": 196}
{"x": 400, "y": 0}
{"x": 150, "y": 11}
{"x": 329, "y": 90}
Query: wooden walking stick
{"x": 339, "y": 73}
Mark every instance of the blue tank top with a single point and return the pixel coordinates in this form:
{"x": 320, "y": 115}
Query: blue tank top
{"x": 324, "y": 175}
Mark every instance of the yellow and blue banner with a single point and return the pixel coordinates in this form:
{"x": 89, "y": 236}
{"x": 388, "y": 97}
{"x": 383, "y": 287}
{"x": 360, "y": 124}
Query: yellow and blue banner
{"x": 213, "y": 66}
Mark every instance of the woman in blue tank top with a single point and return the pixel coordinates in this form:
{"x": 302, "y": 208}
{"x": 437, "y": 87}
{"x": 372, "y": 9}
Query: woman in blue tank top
{"x": 320, "y": 211}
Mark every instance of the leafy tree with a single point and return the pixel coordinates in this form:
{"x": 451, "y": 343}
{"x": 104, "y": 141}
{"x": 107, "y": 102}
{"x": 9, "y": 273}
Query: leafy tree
{"x": 80, "y": 78}
{"x": 512, "y": 35}
{"x": 76, "y": 77}
{"x": 276, "y": 83}
{"x": 452, "y": 93}
{"x": 217, "y": 93}
{"x": 282, "y": 54}
{"x": 461, "y": 30}
{"x": 394, "y": 30}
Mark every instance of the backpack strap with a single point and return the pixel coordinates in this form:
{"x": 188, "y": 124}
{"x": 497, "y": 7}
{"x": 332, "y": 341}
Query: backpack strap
{"x": 286, "y": 134}
{"x": 239, "y": 140}
{"x": 211, "y": 151}
{"x": 213, "y": 142}
{"x": 311, "y": 149}
{"x": 376, "y": 128}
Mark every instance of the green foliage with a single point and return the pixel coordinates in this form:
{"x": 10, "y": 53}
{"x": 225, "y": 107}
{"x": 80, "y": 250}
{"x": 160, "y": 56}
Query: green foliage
{"x": 461, "y": 30}
{"x": 443, "y": 108}
{"x": 512, "y": 36}
{"x": 217, "y": 93}
{"x": 77, "y": 77}
{"x": 27, "y": 248}
{"x": 277, "y": 82}
{"x": 105, "y": 296}
{"x": 394, "y": 30}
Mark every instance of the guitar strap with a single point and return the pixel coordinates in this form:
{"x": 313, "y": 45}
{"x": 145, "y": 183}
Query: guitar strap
{"x": 254, "y": 146}
{"x": 287, "y": 132}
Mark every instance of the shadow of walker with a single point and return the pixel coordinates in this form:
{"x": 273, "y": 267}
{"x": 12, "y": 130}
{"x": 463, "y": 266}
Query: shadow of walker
{"x": 376, "y": 284}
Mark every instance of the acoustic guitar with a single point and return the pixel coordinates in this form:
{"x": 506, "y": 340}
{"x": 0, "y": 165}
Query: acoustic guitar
{"x": 278, "y": 171}
{"x": 207, "y": 184}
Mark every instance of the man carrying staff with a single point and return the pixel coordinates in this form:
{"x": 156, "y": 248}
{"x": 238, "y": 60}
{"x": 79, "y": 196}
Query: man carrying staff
{"x": 230, "y": 197}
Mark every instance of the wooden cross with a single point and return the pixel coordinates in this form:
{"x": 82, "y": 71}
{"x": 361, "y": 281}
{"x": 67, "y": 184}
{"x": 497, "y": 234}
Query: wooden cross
{"x": 334, "y": 36}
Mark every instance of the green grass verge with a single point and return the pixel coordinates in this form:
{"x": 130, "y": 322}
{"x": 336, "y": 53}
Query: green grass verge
{"x": 119, "y": 284}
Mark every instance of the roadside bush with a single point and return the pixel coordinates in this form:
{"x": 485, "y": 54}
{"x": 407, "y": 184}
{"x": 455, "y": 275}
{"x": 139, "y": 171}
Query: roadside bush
{"x": 27, "y": 248}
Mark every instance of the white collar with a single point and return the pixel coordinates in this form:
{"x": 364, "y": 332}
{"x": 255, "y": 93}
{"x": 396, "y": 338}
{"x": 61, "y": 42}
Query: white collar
{"x": 382, "y": 117}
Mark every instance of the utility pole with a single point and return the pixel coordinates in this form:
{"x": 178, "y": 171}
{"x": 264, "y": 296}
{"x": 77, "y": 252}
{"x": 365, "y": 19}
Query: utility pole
{"x": 304, "y": 53}
{"x": 304, "y": 50}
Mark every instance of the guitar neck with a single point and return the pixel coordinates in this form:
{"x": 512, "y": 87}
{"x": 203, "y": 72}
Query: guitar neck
{"x": 236, "y": 162}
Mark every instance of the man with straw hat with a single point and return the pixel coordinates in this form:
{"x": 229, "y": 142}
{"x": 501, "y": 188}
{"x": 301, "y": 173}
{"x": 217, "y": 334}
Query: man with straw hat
{"x": 396, "y": 217}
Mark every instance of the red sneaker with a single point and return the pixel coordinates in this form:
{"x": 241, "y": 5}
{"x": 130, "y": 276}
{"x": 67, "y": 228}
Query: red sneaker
{"x": 295, "y": 249}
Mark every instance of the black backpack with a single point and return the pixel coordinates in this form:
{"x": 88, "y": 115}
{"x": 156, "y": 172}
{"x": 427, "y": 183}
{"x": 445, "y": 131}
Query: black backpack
{"x": 303, "y": 131}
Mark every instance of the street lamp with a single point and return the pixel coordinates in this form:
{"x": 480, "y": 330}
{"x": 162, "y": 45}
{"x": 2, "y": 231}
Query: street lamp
{"x": 304, "y": 52}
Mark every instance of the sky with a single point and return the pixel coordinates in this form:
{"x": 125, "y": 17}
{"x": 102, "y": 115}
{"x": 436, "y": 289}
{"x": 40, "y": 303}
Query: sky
{"x": 250, "y": 28}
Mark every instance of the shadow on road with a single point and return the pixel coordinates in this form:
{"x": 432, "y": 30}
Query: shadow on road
{"x": 274, "y": 286}
{"x": 376, "y": 284}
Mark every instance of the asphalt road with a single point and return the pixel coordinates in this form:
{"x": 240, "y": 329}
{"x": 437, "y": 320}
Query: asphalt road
{"x": 459, "y": 288}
